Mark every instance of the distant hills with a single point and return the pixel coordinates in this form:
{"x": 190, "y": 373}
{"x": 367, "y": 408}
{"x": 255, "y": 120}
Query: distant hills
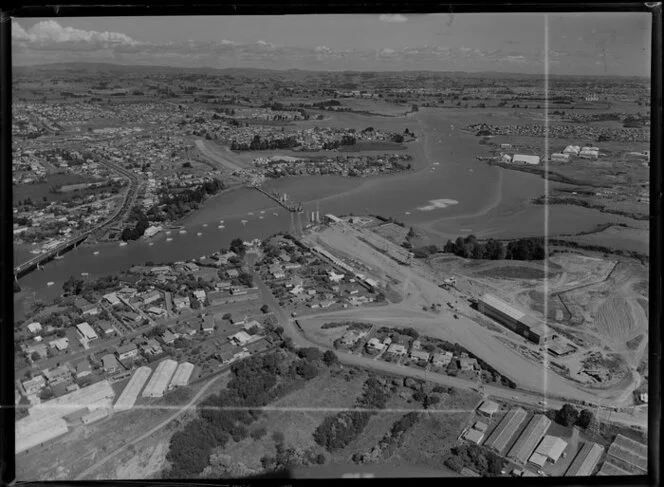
{"x": 92, "y": 67}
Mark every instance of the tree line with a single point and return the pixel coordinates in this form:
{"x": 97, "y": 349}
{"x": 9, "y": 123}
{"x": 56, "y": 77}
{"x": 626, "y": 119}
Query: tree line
{"x": 520, "y": 249}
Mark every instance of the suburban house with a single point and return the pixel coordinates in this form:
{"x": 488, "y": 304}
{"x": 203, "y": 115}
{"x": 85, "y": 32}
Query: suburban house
{"x": 110, "y": 363}
{"x": 60, "y": 343}
{"x": 56, "y": 375}
{"x": 200, "y": 295}
{"x": 167, "y": 337}
{"x": 82, "y": 369}
{"x": 232, "y": 273}
{"x": 181, "y": 302}
{"x": 241, "y": 338}
{"x": 126, "y": 352}
{"x": 151, "y": 297}
{"x": 467, "y": 363}
{"x": 375, "y": 345}
{"x": 151, "y": 348}
{"x": 35, "y": 327}
{"x": 397, "y": 349}
{"x": 442, "y": 359}
{"x": 420, "y": 355}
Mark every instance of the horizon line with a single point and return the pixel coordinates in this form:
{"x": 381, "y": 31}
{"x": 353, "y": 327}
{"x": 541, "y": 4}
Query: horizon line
{"x": 285, "y": 70}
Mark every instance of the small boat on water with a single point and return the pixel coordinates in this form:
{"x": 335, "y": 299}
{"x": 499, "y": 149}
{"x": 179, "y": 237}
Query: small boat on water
{"x": 84, "y": 273}
{"x": 204, "y": 225}
{"x": 275, "y": 214}
{"x": 168, "y": 232}
{"x": 169, "y": 239}
{"x": 251, "y": 213}
{"x": 199, "y": 234}
{"x": 262, "y": 211}
{"x": 183, "y": 231}
{"x": 57, "y": 257}
{"x": 96, "y": 252}
{"x": 244, "y": 221}
{"x": 408, "y": 213}
{"x": 50, "y": 283}
{"x": 221, "y": 227}
{"x": 151, "y": 244}
{"x": 260, "y": 217}
{"x": 221, "y": 221}
{"x": 122, "y": 244}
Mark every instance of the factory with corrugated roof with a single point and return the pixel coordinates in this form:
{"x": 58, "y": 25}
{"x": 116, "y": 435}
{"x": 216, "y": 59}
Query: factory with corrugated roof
{"x": 529, "y": 438}
{"x": 160, "y": 379}
{"x": 512, "y": 318}
{"x": 503, "y": 433}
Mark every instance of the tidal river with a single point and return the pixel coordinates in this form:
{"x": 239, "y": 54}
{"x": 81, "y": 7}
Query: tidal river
{"x": 449, "y": 193}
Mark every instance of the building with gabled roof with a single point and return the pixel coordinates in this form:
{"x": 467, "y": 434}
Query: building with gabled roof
{"x": 503, "y": 433}
{"x": 529, "y": 438}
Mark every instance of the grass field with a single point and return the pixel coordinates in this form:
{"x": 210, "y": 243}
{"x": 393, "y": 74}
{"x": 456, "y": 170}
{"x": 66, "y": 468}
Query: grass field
{"x": 614, "y": 318}
{"x": 304, "y": 411}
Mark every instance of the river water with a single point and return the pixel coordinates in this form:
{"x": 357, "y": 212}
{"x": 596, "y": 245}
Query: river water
{"x": 461, "y": 195}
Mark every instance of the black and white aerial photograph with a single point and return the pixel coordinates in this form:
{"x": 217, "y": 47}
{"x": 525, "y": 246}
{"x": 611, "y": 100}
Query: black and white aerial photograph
{"x": 332, "y": 245}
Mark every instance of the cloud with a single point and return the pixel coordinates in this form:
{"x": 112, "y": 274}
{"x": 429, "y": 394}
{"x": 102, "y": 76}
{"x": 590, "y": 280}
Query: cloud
{"x": 48, "y": 33}
{"x": 393, "y": 18}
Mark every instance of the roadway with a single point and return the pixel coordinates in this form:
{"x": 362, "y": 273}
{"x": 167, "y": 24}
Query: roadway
{"x": 518, "y": 396}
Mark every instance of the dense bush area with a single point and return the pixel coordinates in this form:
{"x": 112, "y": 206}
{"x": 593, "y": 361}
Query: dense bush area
{"x": 255, "y": 382}
{"x": 484, "y": 462}
{"x": 521, "y": 249}
{"x": 336, "y": 432}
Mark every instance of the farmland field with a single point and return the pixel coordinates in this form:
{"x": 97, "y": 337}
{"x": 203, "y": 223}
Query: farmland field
{"x": 614, "y": 318}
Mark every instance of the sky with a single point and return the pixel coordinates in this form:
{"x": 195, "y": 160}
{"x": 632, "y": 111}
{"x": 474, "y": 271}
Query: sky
{"x": 579, "y": 43}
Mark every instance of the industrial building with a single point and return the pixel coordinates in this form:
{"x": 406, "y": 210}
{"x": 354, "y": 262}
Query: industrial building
{"x": 99, "y": 394}
{"x": 130, "y": 392}
{"x": 182, "y": 375}
{"x": 550, "y": 449}
{"x": 525, "y": 159}
{"x": 489, "y": 408}
{"x": 529, "y": 439}
{"x": 560, "y": 157}
{"x": 586, "y": 460}
{"x": 630, "y": 454}
{"x": 95, "y": 415}
{"x": 510, "y": 317}
{"x": 473, "y": 435}
{"x": 33, "y": 430}
{"x": 86, "y": 332}
{"x": 160, "y": 379}
{"x": 501, "y": 436}
{"x": 46, "y": 421}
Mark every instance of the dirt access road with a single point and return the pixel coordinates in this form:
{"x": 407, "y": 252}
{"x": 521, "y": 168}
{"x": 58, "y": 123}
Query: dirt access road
{"x": 150, "y": 432}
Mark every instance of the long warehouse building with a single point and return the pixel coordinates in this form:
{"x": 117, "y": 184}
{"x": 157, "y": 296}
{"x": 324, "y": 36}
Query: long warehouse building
{"x": 160, "y": 379}
{"x": 586, "y": 460}
{"x": 130, "y": 392}
{"x": 99, "y": 394}
{"x": 182, "y": 375}
{"x": 528, "y": 440}
{"x": 501, "y": 436}
{"x": 512, "y": 318}
{"x": 32, "y": 431}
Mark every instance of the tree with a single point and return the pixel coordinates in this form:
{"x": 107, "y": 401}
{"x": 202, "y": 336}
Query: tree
{"x": 585, "y": 419}
{"x": 567, "y": 415}
{"x": 265, "y": 309}
{"x": 246, "y": 279}
{"x": 35, "y": 356}
{"x": 454, "y": 463}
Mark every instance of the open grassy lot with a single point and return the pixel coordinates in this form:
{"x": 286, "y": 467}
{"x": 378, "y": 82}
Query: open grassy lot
{"x": 297, "y": 416}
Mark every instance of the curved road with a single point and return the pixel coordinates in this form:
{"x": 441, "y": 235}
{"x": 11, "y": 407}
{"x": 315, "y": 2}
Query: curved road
{"x": 514, "y": 395}
{"x": 150, "y": 432}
